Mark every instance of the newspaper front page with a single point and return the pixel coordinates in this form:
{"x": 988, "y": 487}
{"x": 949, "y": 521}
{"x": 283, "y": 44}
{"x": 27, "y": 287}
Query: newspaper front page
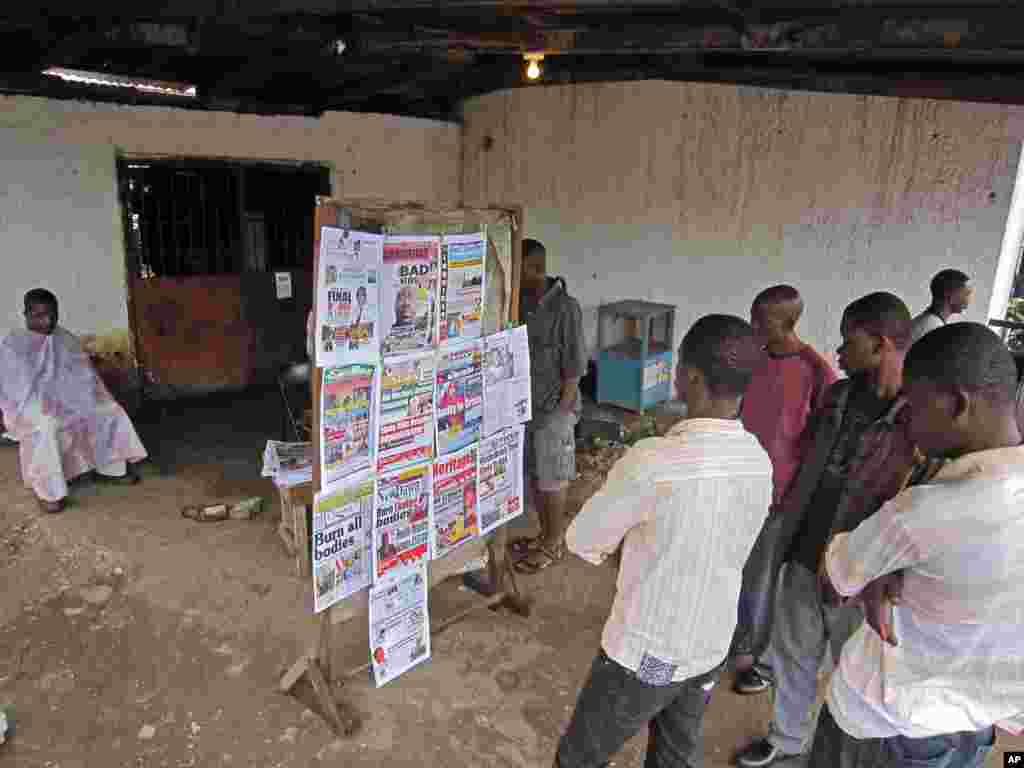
{"x": 406, "y": 414}
{"x": 461, "y": 287}
{"x": 460, "y": 396}
{"x": 347, "y": 435}
{"x": 342, "y": 520}
{"x": 455, "y": 514}
{"x": 401, "y": 521}
{"x": 507, "y": 399}
{"x": 348, "y": 301}
{"x": 501, "y": 478}
{"x": 399, "y": 624}
{"x": 409, "y": 294}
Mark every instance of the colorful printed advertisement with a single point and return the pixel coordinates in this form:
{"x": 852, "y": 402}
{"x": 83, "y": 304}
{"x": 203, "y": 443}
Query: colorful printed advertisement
{"x": 399, "y": 624}
{"x": 500, "y": 478}
{"x": 409, "y": 294}
{"x": 406, "y": 415}
{"x": 401, "y": 521}
{"x": 346, "y": 415}
{"x": 460, "y": 301}
{"x": 342, "y": 520}
{"x": 455, "y": 512}
{"x": 348, "y": 304}
{"x": 460, "y": 396}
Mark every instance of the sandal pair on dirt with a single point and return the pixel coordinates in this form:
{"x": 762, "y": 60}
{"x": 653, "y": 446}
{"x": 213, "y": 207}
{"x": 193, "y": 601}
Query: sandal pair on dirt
{"x": 530, "y": 556}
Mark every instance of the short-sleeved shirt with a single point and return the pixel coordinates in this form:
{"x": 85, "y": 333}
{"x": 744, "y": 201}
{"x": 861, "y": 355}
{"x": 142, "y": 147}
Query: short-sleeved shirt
{"x": 783, "y": 392}
{"x": 557, "y": 349}
{"x": 924, "y": 323}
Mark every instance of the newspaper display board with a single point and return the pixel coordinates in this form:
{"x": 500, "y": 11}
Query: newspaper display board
{"x": 455, "y": 514}
{"x": 399, "y": 624}
{"x": 460, "y": 302}
{"x": 409, "y": 294}
{"x": 405, "y": 419}
{"x": 500, "y": 478}
{"x": 342, "y": 518}
{"x": 507, "y": 399}
{"x": 347, "y": 415}
{"x": 397, "y": 332}
{"x": 401, "y": 520}
{"x": 460, "y": 396}
{"x": 348, "y": 301}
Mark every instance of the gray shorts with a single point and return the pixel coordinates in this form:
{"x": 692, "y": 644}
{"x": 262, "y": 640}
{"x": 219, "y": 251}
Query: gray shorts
{"x": 551, "y": 450}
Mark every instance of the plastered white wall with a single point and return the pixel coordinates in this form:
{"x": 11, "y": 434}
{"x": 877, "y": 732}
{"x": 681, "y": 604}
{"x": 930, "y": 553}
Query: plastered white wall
{"x": 58, "y": 230}
{"x": 701, "y": 195}
{"x": 59, "y": 220}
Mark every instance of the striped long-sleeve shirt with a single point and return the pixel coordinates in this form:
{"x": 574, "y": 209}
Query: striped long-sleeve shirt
{"x": 686, "y": 508}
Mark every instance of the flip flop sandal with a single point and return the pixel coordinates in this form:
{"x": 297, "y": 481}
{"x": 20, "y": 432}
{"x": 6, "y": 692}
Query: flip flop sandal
{"x": 522, "y": 547}
{"x": 540, "y": 560}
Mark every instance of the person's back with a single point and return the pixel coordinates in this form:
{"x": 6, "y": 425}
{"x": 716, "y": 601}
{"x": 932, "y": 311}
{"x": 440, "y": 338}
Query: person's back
{"x": 685, "y": 508}
{"x": 680, "y": 575}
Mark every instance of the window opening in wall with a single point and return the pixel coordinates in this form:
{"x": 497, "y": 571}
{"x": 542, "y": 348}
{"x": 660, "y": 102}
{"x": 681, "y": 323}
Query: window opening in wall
{"x": 195, "y": 217}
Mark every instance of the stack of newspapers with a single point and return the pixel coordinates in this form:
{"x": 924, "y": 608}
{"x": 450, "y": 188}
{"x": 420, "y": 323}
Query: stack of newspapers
{"x": 289, "y": 464}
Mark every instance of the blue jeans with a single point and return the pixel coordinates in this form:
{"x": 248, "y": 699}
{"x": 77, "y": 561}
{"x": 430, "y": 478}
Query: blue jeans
{"x": 615, "y": 704}
{"x": 834, "y": 748}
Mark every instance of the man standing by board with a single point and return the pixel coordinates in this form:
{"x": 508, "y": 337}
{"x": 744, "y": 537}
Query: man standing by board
{"x": 558, "y": 360}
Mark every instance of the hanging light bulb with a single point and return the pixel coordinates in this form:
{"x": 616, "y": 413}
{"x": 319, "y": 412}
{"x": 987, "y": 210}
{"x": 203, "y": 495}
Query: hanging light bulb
{"x": 533, "y": 60}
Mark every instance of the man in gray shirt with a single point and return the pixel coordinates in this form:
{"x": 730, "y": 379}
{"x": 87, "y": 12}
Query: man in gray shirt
{"x": 951, "y": 295}
{"x": 558, "y": 360}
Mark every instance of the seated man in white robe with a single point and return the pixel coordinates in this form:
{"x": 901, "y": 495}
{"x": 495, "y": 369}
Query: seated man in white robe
{"x": 55, "y": 405}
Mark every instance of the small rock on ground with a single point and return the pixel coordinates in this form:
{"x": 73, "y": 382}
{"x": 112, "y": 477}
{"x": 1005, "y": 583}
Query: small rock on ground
{"x": 97, "y": 595}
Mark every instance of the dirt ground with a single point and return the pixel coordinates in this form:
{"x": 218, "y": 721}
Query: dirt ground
{"x": 132, "y": 637}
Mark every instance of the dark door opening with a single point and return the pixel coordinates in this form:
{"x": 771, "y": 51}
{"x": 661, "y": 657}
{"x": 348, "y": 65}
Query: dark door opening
{"x": 204, "y": 240}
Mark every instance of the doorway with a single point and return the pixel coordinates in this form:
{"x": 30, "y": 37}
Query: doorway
{"x": 219, "y": 263}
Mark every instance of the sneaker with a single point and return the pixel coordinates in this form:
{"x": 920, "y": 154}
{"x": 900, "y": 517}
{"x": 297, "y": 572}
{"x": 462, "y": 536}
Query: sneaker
{"x": 758, "y": 754}
{"x": 754, "y": 680}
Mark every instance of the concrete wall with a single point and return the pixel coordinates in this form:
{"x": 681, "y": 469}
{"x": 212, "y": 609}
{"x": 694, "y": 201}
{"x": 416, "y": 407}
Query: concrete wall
{"x": 59, "y": 219}
{"x": 701, "y": 195}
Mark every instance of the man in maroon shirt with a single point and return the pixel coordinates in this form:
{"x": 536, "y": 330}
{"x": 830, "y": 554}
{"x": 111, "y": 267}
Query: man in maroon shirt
{"x": 786, "y": 387}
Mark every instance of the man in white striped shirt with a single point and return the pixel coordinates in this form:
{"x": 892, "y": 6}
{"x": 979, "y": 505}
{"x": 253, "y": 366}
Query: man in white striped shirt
{"x": 925, "y": 685}
{"x": 686, "y": 509}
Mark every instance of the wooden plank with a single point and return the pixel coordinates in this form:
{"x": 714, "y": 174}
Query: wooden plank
{"x": 341, "y": 724}
{"x": 294, "y": 674}
{"x": 302, "y": 540}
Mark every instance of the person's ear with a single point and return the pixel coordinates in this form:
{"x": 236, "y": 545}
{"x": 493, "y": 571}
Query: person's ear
{"x": 961, "y": 407}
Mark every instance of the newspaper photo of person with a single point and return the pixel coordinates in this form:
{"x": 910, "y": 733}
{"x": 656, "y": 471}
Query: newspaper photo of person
{"x": 409, "y": 294}
{"x": 347, "y": 297}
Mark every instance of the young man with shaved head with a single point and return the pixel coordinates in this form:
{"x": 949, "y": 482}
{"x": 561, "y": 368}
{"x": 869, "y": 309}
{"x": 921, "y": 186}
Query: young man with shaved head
{"x": 951, "y": 295}
{"x": 788, "y": 384}
{"x": 686, "y": 509}
{"x": 938, "y": 569}
{"x": 860, "y": 454}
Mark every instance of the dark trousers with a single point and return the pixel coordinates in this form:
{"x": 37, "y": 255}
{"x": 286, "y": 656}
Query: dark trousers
{"x": 614, "y": 705}
{"x": 834, "y": 748}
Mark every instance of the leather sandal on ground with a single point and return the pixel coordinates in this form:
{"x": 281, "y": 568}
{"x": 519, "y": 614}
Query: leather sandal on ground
{"x": 523, "y": 547}
{"x": 541, "y": 559}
